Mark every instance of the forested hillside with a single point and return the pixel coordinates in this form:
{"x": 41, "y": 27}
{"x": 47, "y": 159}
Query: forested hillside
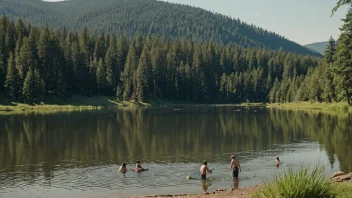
{"x": 142, "y": 17}
{"x": 318, "y": 47}
{"x": 38, "y": 61}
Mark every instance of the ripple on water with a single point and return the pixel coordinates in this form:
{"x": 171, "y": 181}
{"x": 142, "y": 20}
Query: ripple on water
{"x": 75, "y": 178}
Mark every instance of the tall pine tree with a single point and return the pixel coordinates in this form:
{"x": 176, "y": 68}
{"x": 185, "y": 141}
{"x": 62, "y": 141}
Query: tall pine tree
{"x": 29, "y": 91}
{"x": 12, "y": 82}
{"x": 343, "y": 63}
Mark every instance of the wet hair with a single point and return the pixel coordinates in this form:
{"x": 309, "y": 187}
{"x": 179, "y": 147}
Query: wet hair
{"x": 205, "y": 162}
{"x": 233, "y": 157}
{"x": 138, "y": 161}
{"x": 124, "y": 165}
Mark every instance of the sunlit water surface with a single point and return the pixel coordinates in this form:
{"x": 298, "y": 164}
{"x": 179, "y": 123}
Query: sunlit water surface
{"x": 78, "y": 154}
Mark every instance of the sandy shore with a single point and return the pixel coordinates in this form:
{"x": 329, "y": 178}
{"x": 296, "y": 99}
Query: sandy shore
{"x": 236, "y": 193}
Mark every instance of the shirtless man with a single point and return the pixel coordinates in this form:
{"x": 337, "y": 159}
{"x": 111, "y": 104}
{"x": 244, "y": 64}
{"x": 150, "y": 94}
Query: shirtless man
{"x": 204, "y": 169}
{"x": 235, "y": 165}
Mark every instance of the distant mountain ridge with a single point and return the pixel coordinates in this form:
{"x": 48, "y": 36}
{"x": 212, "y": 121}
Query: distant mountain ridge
{"x": 147, "y": 16}
{"x": 318, "y": 47}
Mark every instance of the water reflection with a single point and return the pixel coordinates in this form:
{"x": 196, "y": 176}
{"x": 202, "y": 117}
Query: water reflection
{"x": 236, "y": 183}
{"x": 36, "y": 146}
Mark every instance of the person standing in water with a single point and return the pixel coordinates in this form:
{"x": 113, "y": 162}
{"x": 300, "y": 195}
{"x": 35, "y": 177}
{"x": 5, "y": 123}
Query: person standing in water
{"x": 123, "y": 168}
{"x": 139, "y": 167}
{"x": 204, "y": 169}
{"x": 235, "y": 165}
{"x": 277, "y": 161}
{"x": 203, "y": 174}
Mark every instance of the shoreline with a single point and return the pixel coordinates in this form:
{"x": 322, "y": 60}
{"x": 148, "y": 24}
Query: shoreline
{"x": 345, "y": 188}
{"x": 309, "y": 106}
{"x": 226, "y": 193}
{"x": 80, "y": 103}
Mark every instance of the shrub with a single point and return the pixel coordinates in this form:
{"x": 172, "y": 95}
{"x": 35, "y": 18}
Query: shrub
{"x": 298, "y": 184}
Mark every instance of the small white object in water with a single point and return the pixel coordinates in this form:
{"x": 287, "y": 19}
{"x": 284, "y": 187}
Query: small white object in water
{"x": 189, "y": 177}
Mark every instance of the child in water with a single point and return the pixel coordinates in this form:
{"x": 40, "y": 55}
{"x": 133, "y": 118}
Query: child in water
{"x": 139, "y": 167}
{"x": 123, "y": 168}
{"x": 204, "y": 169}
{"x": 277, "y": 161}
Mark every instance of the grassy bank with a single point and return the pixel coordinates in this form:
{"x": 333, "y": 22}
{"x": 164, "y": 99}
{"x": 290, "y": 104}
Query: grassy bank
{"x": 54, "y": 103}
{"x": 304, "y": 182}
{"x": 339, "y": 107}
{"x": 343, "y": 189}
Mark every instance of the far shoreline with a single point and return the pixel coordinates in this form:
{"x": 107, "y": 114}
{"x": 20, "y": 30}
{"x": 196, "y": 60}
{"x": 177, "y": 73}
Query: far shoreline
{"x": 313, "y": 106}
{"x": 84, "y": 103}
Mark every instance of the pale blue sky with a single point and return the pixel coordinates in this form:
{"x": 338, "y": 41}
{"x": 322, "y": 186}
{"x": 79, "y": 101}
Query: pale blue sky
{"x": 303, "y": 21}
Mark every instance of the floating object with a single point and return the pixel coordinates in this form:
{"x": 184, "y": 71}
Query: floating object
{"x": 189, "y": 177}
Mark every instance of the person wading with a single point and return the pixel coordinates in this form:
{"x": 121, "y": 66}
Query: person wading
{"x": 235, "y": 166}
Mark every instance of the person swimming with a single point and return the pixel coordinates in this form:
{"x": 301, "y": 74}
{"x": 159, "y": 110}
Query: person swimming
{"x": 139, "y": 167}
{"x": 123, "y": 168}
{"x": 235, "y": 165}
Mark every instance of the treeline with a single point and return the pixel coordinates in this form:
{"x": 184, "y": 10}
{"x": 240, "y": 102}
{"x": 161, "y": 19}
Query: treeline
{"x": 38, "y": 61}
{"x": 133, "y": 17}
{"x": 330, "y": 81}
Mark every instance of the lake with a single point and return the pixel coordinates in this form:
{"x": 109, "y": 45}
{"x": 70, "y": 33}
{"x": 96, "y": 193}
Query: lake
{"x": 77, "y": 154}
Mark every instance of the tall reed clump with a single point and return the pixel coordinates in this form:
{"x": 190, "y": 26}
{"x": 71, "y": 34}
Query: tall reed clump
{"x": 301, "y": 183}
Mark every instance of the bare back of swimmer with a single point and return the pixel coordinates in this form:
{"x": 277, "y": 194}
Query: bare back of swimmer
{"x": 235, "y": 165}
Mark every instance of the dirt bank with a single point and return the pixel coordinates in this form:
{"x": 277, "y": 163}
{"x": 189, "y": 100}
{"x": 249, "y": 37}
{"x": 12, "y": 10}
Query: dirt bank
{"x": 236, "y": 193}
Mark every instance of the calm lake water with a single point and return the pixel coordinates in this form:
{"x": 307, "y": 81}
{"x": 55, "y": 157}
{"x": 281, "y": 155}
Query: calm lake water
{"x": 78, "y": 154}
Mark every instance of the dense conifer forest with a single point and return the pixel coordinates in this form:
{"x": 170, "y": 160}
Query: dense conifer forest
{"x": 38, "y": 61}
{"x": 143, "y": 17}
{"x": 42, "y": 61}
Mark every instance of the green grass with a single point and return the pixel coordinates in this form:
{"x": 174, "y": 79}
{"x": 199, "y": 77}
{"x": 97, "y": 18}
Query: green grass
{"x": 344, "y": 190}
{"x": 247, "y": 104}
{"x": 340, "y": 107}
{"x": 54, "y": 103}
{"x": 299, "y": 184}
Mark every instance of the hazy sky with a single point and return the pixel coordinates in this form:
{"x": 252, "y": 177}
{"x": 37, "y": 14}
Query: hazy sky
{"x": 303, "y": 21}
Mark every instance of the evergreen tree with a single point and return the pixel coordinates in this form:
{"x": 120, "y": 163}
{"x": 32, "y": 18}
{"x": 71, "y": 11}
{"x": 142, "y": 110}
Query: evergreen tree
{"x": 45, "y": 64}
{"x": 341, "y": 3}
{"x": 330, "y": 51}
{"x": 10, "y": 40}
{"x": 25, "y": 58}
{"x": 29, "y": 87}
{"x": 122, "y": 51}
{"x": 128, "y": 73}
{"x": 12, "y": 83}
{"x": 111, "y": 65}
{"x": 101, "y": 77}
{"x": 343, "y": 66}
{"x": 39, "y": 82}
{"x": 2, "y": 73}
{"x": 3, "y": 31}
{"x": 143, "y": 75}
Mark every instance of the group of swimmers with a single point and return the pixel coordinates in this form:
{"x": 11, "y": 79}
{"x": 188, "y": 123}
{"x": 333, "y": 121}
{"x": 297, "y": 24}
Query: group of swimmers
{"x": 234, "y": 166}
{"x": 123, "y": 168}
